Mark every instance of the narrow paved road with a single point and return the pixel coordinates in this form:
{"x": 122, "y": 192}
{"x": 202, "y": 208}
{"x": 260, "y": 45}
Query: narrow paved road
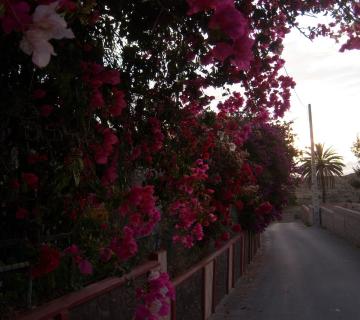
{"x": 306, "y": 274}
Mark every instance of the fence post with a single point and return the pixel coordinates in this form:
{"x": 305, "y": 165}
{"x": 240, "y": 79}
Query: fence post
{"x": 213, "y": 286}
{"x": 247, "y": 249}
{"x": 161, "y": 257}
{"x": 243, "y": 254}
{"x": 251, "y": 247}
{"x": 230, "y": 268}
{"x": 208, "y": 289}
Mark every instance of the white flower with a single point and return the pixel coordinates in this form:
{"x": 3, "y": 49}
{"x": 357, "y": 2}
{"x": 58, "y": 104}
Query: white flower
{"x": 221, "y": 135}
{"x": 232, "y": 146}
{"x": 164, "y": 291}
{"x": 155, "y": 306}
{"x": 47, "y": 24}
{"x": 35, "y": 43}
{"x": 154, "y": 275}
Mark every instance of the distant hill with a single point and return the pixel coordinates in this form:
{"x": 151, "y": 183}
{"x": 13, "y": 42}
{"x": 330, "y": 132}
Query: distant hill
{"x": 342, "y": 192}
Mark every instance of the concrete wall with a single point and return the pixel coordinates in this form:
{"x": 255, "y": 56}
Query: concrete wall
{"x": 342, "y": 221}
{"x": 306, "y": 215}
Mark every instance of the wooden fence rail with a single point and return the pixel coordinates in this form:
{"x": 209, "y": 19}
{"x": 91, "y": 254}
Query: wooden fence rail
{"x": 217, "y": 273}
{"x": 248, "y": 245}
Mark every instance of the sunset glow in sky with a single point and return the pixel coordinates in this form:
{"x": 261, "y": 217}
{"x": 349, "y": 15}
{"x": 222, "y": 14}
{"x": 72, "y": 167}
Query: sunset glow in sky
{"x": 327, "y": 79}
{"x": 330, "y": 81}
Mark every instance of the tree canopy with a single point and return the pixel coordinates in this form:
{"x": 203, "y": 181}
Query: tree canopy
{"x": 328, "y": 165}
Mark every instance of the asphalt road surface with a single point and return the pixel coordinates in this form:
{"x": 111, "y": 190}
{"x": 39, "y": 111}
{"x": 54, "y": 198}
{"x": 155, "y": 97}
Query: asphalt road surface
{"x": 305, "y": 274}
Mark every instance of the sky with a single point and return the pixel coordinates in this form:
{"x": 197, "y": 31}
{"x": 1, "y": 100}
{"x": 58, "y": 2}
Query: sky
{"x": 330, "y": 82}
{"x": 327, "y": 79}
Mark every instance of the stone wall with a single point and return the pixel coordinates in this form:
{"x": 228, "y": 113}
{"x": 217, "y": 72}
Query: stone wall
{"x": 343, "y": 191}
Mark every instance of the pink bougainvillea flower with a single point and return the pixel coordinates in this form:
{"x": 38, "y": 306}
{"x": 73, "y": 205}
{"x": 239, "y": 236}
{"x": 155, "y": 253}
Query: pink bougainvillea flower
{"x": 258, "y": 169}
{"x": 225, "y": 236}
{"x": 236, "y": 228}
{"x": 97, "y": 99}
{"x": 105, "y": 254}
{"x": 49, "y": 260}
{"x": 197, "y": 231}
{"x": 230, "y": 21}
{"x": 85, "y": 267}
{"x": 101, "y": 156}
{"x": 356, "y": 8}
{"x": 141, "y": 209}
{"x": 239, "y": 205}
{"x": 31, "y": 179}
{"x": 16, "y": 16}
{"x": 119, "y": 103}
{"x": 243, "y": 54}
{"x": 73, "y": 250}
{"x": 21, "y": 213}
{"x": 125, "y": 247}
{"x": 110, "y": 176}
{"x": 47, "y": 25}
{"x": 155, "y": 297}
{"x": 264, "y": 208}
{"x": 68, "y": 5}
{"x": 222, "y": 51}
{"x": 110, "y": 138}
{"x": 103, "y": 152}
{"x": 94, "y": 17}
{"x": 351, "y": 44}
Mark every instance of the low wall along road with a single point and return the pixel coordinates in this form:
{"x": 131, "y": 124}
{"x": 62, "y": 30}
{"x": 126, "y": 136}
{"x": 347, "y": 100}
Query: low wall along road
{"x": 342, "y": 219}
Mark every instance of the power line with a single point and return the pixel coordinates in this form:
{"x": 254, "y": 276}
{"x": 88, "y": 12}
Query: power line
{"x": 297, "y": 95}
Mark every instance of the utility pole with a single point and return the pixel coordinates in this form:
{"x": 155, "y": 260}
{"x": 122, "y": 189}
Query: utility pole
{"x": 314, "y": 186}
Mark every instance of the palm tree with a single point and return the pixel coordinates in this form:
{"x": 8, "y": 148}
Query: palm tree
{"x": 328, "y": 165}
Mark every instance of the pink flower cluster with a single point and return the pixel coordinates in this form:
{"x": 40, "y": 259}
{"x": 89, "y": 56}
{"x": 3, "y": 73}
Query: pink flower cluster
{"x": 234, "y": 25}
{"x": 16, "y": 17}
{"x": 31, "y": 180}
{"x": 151, "y": 144}
{"x": 139, "y": 209}
{"x": 351, "y": 44}
{"x": 103, "y": 151}
{"x": 84, "y": 265}
{"x": 140, "y": 215}
{"x": 124, "y": 247}
{"x": 97, "y": 77}
{"x": 264, "y": 208}
{"x": 155, "y": 297}
{"x": 191, "y": 213}
{"x": 49, "y": 260}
